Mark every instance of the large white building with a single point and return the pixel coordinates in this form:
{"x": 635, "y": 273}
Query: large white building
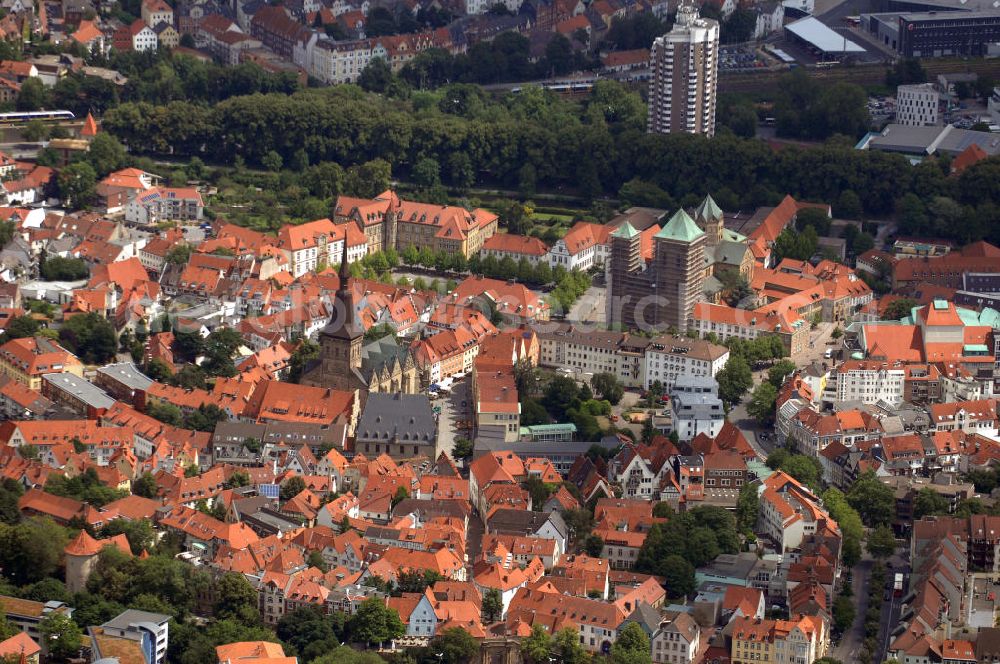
{"x": 695, "y": 407}
{"x": 685, "y": 67}
{"x": 669, "y": 358}
{"x": 342, "y": 62}
{"x": 917, "y": 105}
{"x": 636, "y": 361}
{"x": 870, "y": 382}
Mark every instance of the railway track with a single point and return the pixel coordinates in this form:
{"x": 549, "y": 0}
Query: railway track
{"x": 868, "y": 74}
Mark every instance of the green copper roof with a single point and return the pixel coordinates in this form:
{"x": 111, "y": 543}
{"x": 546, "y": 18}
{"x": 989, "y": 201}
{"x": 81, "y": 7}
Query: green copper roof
{"x": 681, "y": 227}
{"x": 708, "y": 209}
{"x": 626, "y": 231}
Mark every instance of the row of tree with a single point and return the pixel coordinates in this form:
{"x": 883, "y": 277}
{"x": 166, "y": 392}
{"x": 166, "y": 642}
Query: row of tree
{"x": 595, "y": 146}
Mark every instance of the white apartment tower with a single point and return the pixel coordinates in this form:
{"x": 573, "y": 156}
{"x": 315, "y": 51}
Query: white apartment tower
{"x": 685, "y": 64}
{"x": 917, "y": 105}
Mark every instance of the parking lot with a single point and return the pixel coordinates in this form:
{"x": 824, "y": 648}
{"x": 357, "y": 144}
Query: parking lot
{"x": 737, "y": 58}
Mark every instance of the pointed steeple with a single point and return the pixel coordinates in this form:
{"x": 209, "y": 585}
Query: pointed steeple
{"x": 680, "y": 227}
{"x": 344, "y": 272}
{"x": 89, "y": 127}
{"x": 708, "y": 210}
{"x": 626, "y": 231}
{"x": 349, "y": 329}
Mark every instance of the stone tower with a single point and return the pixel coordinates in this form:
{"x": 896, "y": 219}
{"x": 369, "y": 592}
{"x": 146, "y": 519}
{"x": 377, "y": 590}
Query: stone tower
{"x": 626, "y": 259}
{"x": 340, "y": 341}
{"x": 391, "y": 222}
{"x": 680, "y": 269}
{"x": 708, "y": 216}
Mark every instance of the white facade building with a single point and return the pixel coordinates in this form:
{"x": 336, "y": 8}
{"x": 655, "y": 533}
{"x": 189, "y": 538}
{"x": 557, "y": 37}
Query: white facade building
{"x": 685, "y": 68}
{"x": 870, "y": 382}
{"x": 917, "y": 105}
{"x": 695, "y": 407}
{"x": 669, "y": 358}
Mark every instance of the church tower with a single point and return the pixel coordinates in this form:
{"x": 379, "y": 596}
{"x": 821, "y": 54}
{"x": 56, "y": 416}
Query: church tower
{"x": 341, "y": 339}
{"x": 708, "y": 216}
{"x": 391, "y": 223}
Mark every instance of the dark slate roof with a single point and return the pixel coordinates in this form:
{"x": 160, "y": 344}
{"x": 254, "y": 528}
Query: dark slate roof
{"x": 524, "y": 522}
{"x": 404, "y": 417}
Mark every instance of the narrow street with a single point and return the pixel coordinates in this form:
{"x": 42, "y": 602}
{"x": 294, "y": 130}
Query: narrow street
{"x": 850, "y": 642}
{"x": 454, "y": 409}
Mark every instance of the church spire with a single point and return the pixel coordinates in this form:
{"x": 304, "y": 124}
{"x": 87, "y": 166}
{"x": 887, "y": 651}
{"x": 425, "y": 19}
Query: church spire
{"x": 349, "y": 328}
{"x": 344, "y": 272}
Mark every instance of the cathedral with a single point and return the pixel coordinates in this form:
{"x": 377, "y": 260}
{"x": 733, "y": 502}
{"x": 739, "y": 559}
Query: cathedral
{"x": 347, "y": 363}
{"x": 659, "y": 294}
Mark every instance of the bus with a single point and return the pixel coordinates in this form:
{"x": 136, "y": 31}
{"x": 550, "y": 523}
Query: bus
{"x": 897, "y": 585}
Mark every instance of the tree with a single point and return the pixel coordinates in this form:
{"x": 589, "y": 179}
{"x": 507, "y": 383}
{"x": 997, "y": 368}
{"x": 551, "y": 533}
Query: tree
{"x": 31, "y": 550}
{"x": 179, "y": 254}
{"x": 76, "y": 184}
{"x": 374, "y": 622}
{"x": 873, "y": 500}
{"x": 106, "y": 154}
{"x": 777, "y": 374}
{"x": 167, "y": 413}
{"x": 559, "y": 55}
{"x": 33, "y": 95}
{"x": 579, "y": 521}
{"x": 309, "y": 631}
{"x": 235, "y": 599}
{"x": 463, "y": 449}
{"x": 632, "y": 646}
{"x": 347, "y": 655}
{"x": 139, "y": 533}
{"x": 929, "y": 502}
{"x": 848, "y": 205}
{"x": 593, "y": 545}
{"x": 906, "y": 70}
{"x": 735, "y": 286}
{"x": 455, "y": 646}
{"x": 899, "y": 308}
{"x": 679, "y": 576}
{"x": 747, "y": 508}
{"x": 239, "y": 478}
{"x": 761, "y": 406}
{"x": 220, "y": 347}
{"x": 58, "y": 268}
{"x": 843, "y": 614}
{"x": 7, "y": 630}
{"x": 537, "y": 647}
{"x": 35, "y": 131}
{"x": 62, "y": 637}
{"x": 376, "y": 76}
{"x": 881, "y": 542}
{"x": 302, "y": 356}
{"x": 663, "y": 510}
{"x": 272, "y": 161}
{"x": 427, "y": 173}
{"x": 90, "y": 337}
{"x": 492, "y": 605}
{"x": 566, "y": 644}
{"x": 10, "y": 493}
{"x": 20, "y": 327}
{"x": 608, "y": 387}
{"x": 292, "y": 487}
{"x": 205, "y": 417}
{"x": 734, "y": 379}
